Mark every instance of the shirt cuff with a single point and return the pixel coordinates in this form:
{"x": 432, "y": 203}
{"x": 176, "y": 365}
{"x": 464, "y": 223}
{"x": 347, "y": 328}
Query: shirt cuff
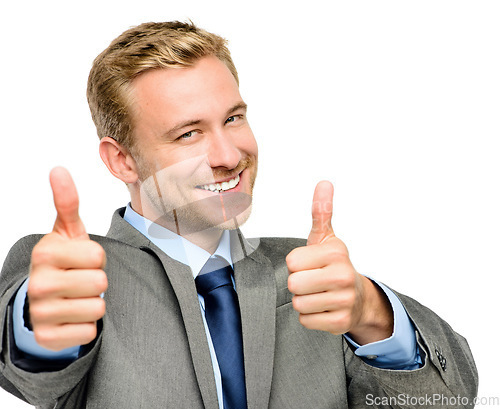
{"x": 400, "y": 350}
{"x": 25, "y": 339}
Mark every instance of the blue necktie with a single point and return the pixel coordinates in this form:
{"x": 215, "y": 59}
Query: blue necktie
{"x": 222, "y": 313}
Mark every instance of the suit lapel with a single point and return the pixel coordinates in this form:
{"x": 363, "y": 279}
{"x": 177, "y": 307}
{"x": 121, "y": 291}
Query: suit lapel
{"x": 182, "y": 282}
{"x": 256, "y": 287}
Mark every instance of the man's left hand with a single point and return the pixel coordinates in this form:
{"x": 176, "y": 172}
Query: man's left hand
{"x": 328, "y": 292}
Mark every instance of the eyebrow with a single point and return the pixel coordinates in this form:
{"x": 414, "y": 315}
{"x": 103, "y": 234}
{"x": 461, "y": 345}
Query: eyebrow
{"x": 177, "y": 128}
{"x": 236, "y": 107}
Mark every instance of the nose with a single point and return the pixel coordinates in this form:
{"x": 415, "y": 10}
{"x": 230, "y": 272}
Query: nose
{"x": 222, "y": 152}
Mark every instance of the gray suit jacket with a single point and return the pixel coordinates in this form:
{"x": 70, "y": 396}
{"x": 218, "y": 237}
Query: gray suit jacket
{"x": 152, "y": 351}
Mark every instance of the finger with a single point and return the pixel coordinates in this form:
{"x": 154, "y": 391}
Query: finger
{"x": 335, "y": 322}
{"x": 60, "y": 337}
{"x": 322, "y": 210}
{"x": 68, "y": 222}
{"x": 312, "y": 256}
{"x": 67, "y": 311}
{"x": 83, "y": 283}
{"x": 56, "y": 252}
{"x": 322, "y": 302}
{"x": 320, "y": 280}
{"x": 306, "y": 282}
{"x": 67, "y": 284}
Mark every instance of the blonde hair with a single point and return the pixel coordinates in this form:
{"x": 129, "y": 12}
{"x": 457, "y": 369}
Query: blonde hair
{"x": 145, "y": 47}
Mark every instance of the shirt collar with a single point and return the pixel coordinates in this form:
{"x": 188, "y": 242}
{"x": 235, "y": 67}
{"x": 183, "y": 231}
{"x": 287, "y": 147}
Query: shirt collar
{"x": 175, "y": 246}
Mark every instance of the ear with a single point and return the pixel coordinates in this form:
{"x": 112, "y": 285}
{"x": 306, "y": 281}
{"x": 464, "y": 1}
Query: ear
{"x": 118, "y": 160}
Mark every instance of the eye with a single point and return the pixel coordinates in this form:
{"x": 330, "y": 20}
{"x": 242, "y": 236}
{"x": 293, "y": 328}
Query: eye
{"x": 233, "y": 118}
{"x": 187, "y": 135}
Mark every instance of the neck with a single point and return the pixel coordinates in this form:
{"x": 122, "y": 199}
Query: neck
{"x": 205, "y": 237}
{"x": 208, "y": 241}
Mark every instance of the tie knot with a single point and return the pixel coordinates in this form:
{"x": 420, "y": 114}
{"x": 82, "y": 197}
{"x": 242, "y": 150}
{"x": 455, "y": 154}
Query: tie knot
{"x": 214, "y": 274}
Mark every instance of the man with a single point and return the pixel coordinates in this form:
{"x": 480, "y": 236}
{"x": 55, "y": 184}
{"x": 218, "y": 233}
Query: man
{"x": 123, "y": 322}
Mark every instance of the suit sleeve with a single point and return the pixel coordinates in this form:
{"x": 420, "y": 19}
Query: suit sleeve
{"x": 38, "y": 387}
{"x": 448, "y": 378}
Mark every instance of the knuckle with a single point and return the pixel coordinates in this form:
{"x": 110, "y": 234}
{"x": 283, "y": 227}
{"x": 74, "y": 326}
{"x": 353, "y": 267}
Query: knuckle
{"x": 342, "y": 322}
{"x": 344, "y": 300}
{"x": 88, "y": 333}
{"x": 103, "y": 281}
{"x": 331, "y": 301}
{"x": 95, "y": 309}
{"x": 34, "y": 289}
{"x": 308, "y": 321}
{"x": 42, "y": 253}
{"x": 99, "y": 308}
{"x": 38, "y": 313}
{"x": 100, "y": 281}
{"x": 330, "y": 280}
{"x": 305, "y": 321}
{"x": 38, "y": 289}
{"x": 293, "y": 285}
{"x": 297, "y": 303}
{"x": 45, "y": 337}
{"x": 346, "y": 280}
{"x": 290, "y": 261}
{"x": 349, "y": 299}
{"x": 97, "y": 255}
{"x": 295, "y": 257}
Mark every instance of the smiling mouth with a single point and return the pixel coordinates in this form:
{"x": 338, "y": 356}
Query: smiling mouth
{"x": 221, "y": 187}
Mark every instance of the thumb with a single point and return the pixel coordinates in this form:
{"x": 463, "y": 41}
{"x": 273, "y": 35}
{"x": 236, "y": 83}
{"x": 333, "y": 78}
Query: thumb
{"x": 68, "y": 222}
{"x": 322, "y": 210}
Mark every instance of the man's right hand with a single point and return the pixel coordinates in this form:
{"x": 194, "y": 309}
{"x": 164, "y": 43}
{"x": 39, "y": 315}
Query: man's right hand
{"x": 66, "y": 275}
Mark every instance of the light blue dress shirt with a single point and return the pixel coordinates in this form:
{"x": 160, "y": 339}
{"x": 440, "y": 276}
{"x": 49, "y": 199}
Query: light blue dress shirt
{"x": 400, "y": 351}
{"x": 25, "y": 339}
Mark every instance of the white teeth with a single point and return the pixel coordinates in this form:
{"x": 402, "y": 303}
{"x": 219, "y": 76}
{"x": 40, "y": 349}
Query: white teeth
{"x": 221, "y": 187}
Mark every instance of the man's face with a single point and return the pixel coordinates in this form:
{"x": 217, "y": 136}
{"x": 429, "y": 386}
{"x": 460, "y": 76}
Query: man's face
{"x": 195, "y": 152}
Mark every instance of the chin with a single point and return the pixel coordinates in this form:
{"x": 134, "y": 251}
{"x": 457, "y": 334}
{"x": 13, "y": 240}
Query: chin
{"x": 236, "y": 221}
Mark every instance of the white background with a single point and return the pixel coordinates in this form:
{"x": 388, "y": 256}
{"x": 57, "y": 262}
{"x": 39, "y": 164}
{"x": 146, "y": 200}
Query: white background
{"x": 397, "y": 103}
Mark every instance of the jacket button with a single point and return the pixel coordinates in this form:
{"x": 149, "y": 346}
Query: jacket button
{"x": 441, "y": 359}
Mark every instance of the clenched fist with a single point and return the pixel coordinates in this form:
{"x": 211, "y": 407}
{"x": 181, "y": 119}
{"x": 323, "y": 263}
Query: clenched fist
{"x": 328, "y": 292}
{"x": 66, "y": 275}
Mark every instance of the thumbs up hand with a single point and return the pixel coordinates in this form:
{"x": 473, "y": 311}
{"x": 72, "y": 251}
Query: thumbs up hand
{"x": 329, "y": 294}
{"x": 66, "y": 276}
